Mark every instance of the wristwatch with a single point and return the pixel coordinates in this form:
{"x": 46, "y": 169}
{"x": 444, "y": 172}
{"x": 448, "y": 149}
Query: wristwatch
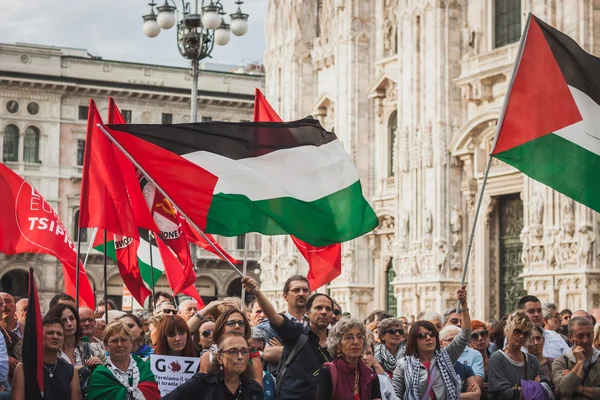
{"x": 199, "y": 316}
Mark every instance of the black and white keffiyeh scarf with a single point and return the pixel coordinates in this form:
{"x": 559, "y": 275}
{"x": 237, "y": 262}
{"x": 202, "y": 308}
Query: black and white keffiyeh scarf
{"x": 386, "y": 359}
{"x": 412, "y": 367}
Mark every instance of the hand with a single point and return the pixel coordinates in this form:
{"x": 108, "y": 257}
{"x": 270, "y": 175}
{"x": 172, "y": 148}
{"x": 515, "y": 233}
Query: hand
{"x": 377, "y": 367}
{"x": 210, "y": 306}
{"x": 275, "y": 343}
{"x": 461, "y": 295}
{"x": 565, "y": 372}
{"x": 92, "y": 362}
{"x": 2, "y": 388}
{"x": 484, "y": 388}
{"x": 250, "y": 285}
{"x": 578, "y": 352}
{"x": 472, "y": 388}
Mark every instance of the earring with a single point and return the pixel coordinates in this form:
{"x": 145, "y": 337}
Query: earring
{"x": 221, "y": 367}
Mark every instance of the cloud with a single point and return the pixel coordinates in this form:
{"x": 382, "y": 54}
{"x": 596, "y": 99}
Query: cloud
{"x": 113, "y": 30}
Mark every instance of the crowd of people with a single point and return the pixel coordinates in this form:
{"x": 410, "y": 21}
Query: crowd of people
{"x": 311, "y": 350}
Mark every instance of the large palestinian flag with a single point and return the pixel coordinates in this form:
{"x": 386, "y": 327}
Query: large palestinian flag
{"x": 272, "y": 178}
{"x": 550, "y": 128}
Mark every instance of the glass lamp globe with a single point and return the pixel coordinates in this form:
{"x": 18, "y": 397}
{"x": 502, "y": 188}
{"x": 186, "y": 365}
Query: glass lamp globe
{"x": 239, "y": 26}
{"x": 211, "y": 19}
{"x": 151, "y": 28}
{"x": 165, "y": 19}
{"x": 222, "y": 36}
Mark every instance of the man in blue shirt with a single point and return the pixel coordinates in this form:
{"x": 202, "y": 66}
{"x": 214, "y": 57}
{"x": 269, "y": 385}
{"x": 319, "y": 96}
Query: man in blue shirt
{"x": 470, "y": 389}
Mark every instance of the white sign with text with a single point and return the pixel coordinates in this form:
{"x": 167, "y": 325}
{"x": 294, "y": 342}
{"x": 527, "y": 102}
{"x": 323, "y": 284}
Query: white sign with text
{"x": 171, "y": 371}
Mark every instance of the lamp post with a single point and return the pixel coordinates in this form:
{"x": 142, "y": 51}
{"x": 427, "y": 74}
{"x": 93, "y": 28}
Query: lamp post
{"x": 197, "y": 31}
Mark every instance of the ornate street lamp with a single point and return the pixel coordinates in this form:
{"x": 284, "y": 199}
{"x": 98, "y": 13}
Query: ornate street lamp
{"x": 197, "y": 32}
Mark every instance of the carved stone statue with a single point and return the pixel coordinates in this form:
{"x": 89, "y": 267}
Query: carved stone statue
{"x": 348, "y": 270}
{"x": 405, "y": 226}
{"x": 404, "y": 151}
{"x": 427, "y": 228}
{"x": 428, "y": 146}
{"x": 455, "y": 261}
{"x": 550, "y": 242}
{"x": 441, "y": 256}
{"x": 468, "y": 39}
{"x": 456, "y": 226}
{"x": 388, "y": 33}
{"x": 525, "y": 255}
{"x": 586, "y": 240}
{"x": 414, "y": 267}
{"x": 536, "y": 217}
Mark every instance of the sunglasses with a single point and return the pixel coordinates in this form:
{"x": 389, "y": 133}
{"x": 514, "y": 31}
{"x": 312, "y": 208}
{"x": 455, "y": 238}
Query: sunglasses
{"x": 484, "y": 334}
{"x": 232, "y": 324}
{"x": 521, "y": 332}
{"x": 169, "y": 311}
{"x": 394, "y": 331}
{"x": 206, "y": 333}
{"x": 430, "y": 334}
{"x": 336, "y": 312}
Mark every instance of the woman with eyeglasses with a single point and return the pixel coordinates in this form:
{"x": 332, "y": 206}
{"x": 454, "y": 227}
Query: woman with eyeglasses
{"x": 138, "y": 347}
{"x": 507, "y": 367}
{"x": 347, "y": 377}
{"x": 174, "y": 338}
{"x": 229, "y": 376}
{"x": 480, "y": 341}
{"x": 428, "y": 370}
{"x": 125, "y": 375}
{"x": 391, "y": 344}
{"x": 231, "y": 320}
{"x": 203, "y": 338}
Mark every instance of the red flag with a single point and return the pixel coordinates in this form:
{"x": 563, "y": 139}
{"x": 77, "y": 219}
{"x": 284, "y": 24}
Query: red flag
{"x": 324, "y": 263}
{"x": 104, "y": 201}
{"x": 28, "y": 224}
{"x": 194, "y": 237}
{"x": 33, "y": 353}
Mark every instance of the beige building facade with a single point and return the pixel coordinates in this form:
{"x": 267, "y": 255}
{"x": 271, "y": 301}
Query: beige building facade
{"x": 44, "y": 95}
{"x": 414, "y": 90}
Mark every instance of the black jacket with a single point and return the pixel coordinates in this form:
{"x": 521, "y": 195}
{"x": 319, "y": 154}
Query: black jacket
{"x": 213, "y": 389}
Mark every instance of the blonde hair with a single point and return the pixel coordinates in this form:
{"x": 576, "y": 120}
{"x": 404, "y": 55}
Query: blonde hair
{"x": 518, "y": 320}
{"x": 116, "y": 328}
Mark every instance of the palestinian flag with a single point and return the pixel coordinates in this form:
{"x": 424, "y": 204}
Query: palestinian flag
{"x": 272, "y": 178}
{"x": 33, "y": 351}
{"x": 550, "y": 126}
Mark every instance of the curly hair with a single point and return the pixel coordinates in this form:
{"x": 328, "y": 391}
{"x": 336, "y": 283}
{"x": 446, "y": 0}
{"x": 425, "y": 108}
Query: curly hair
{"x": 220, "y": 324}
{"x": 340, "y": 329}
{"x": 518, "y": 320}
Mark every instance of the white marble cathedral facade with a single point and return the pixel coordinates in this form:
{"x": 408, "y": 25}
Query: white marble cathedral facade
{"x": 414, "y": 89}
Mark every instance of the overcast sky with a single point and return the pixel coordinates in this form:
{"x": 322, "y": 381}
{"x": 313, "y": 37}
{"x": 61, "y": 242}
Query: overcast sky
{"x": 113, "y": 29}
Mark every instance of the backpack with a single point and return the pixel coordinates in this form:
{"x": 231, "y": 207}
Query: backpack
{"x": 302, "y": 340}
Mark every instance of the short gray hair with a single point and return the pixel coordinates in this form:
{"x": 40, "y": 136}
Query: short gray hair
{"x": 547, "y": 310}
{"x": 447, "y": 315}
{"x": 580, "y": 321}
{"x": 340, "y": 329}
{"x": 550, "y": 305}
{"x": 448, "y": 330}
{"x": 387, "y": 324}
{"x": 430, "y": 316}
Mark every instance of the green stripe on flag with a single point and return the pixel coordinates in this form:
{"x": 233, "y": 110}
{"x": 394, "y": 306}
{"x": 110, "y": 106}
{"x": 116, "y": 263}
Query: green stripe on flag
{"x": 561, "y": 164}
{"x": 341, "y": 216}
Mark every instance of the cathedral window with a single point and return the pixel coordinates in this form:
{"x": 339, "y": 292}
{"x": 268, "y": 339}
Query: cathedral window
{"x": 507, "y": 22}
{"x": 11, "y": 143}
{"x": 392, "y": 129}
{"x": 167, "y": 118}
{"x": 80, "y": 151}
{"x": 126, "y": 116}
{"x": 31, "y": 145}
{"x": 241, "y": 242}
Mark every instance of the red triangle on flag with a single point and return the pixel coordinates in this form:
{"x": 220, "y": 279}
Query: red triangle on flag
{"x": 540, "y": 101}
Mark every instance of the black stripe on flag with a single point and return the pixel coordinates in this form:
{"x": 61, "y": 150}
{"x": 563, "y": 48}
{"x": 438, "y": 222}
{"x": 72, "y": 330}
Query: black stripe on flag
{"x": 33, "y": 357}
{"x": 235, "y": 140}
{"x": 580, "y": 69}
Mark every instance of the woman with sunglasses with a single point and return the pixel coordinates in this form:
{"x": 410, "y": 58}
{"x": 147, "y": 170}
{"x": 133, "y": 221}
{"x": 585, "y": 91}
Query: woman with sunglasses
{"x": 480, "y": 341}
{"x": 507, "y": 367}
{"x": 174, "y": 338}
{"x": 203, "y": 338}
{"x": 427, "y": 370}
{"x": 138, "y": 347}
{"x": 231, "y": 320}
{"x": 391, "y": 344}
{"x": 229, "y": 375}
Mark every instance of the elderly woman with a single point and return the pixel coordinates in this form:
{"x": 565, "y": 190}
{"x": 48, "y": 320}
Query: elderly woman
{"x": 428, "y": 368}
{"x": 125, "y": 376}
{"x": 509, "y": 365}
{"x": 229, "y": 376}
{"x": 138, "y": 347}
{"x": 480, "y": 341}
{"x": 385, "y": 383}
{"x": 174, "y": 338}
{"x": 347, "y": 377}
{"x": 391, "y": 344}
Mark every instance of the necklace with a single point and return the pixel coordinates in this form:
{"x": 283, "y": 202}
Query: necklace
{"x": 51, "y": 370}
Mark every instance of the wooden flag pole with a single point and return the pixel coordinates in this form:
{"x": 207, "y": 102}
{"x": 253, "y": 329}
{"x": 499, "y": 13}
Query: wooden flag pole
{"x": 152, "y": 272}
{"x": 138, "y": 166}
{"x": 245, "y": 270}
{"x": 105, "y": 282}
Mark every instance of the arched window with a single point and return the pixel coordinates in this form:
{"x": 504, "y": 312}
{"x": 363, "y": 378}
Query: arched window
{"x": 392, "y": 128}
{"x": 11, "y": 143}
{"x": 77, "y": 233}
{"x": 31, "y": 145}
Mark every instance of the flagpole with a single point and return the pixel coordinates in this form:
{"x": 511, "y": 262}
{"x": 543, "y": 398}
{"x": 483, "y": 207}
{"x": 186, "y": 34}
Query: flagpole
{"x": 90, "y": 247}
{"x": 78, "y": 261}
{"x": 152, "y": 271}
{"x": 105, "y": 282}
{"x": 245, "y": 270}
{"x": 219, "y": 252}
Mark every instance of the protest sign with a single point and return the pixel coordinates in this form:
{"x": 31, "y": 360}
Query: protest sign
{"x": 171, "y": 371}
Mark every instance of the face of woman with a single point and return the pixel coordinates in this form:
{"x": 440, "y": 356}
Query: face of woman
{"x": 235, "y": 322}
{"x": 69, "y": 321}
{"x": 118, "y": 346}
{"x": 426, "y": 340}
{"x": 206, "y": 334}
{"x": 480, "y": 339}
{"x": 393, "y": 336}
{"x": 519, "y": 336}
{"x": 133, "y": 327}
{"x": 233, "y": 355}
{"x": 536, "y": 342}
{"x": 352, "y": 343}
{"x": 367, "y": 357}
{"x": 177, "y": 340}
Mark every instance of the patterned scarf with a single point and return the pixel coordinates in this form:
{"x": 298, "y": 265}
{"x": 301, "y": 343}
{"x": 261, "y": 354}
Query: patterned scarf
{"x": 386, "y": 359}
{"x": 412, "y": 367}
